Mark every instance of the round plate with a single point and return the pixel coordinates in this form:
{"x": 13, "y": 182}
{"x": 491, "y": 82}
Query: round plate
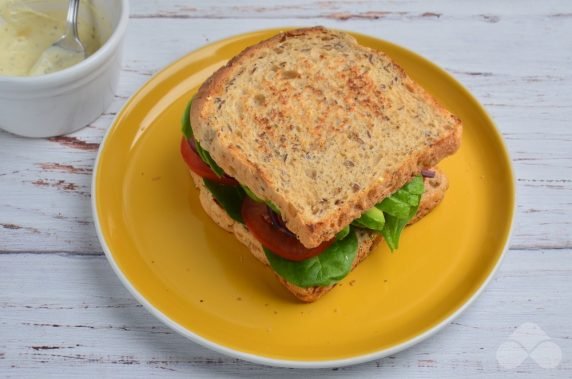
{"x": 202, "y": 282}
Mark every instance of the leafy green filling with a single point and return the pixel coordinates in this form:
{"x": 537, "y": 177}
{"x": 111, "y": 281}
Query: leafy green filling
{"x": 230, "y": 198}
{"x": 398, "y": 209}
{"x": 373, "y": 219}
{"x": 343, "y": 233}
{"x": 186, "y": 122}
{"x": 332, "y": 265}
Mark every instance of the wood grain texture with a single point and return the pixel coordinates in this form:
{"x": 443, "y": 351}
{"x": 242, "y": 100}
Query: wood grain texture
{"x": 63, "y": 312}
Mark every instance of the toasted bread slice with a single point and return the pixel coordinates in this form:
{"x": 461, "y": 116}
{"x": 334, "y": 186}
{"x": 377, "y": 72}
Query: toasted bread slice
{"x": 322, "y": 127}
{"x": 434, "y": 192}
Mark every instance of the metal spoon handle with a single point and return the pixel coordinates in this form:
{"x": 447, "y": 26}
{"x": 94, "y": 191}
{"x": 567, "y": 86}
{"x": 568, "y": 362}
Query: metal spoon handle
{"x": 73, "y": 8}
{"x": 70, "y": 40}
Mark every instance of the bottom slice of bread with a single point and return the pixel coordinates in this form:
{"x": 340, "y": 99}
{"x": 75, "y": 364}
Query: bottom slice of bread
{"x": 367, "y": 240}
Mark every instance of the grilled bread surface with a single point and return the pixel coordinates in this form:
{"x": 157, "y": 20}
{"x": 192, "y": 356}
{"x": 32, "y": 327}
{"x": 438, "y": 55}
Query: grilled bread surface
{"x": 321, "y": 126}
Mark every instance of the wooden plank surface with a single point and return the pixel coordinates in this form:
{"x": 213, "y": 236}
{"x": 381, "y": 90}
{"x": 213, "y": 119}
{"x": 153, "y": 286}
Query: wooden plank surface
{"x": 72, "y": 312}
{"x": 57, "y": 291}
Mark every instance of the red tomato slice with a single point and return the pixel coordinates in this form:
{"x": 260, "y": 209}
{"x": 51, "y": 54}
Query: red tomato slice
{"x": 256, "y": 218}
{"x": 200, "y": 168}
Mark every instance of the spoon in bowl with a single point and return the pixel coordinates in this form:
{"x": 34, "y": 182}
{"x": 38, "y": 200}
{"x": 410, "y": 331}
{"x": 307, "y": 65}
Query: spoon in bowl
{"x": 66, "y": 51}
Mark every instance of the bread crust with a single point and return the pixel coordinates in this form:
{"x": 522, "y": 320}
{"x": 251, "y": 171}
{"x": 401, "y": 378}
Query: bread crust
{"x": 435, "y": 189}
{"x": 312, "y": 232}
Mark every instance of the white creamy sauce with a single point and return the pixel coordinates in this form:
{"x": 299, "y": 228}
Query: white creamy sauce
{"x": 55, "y": 58}
{"x": 29, "y": 27}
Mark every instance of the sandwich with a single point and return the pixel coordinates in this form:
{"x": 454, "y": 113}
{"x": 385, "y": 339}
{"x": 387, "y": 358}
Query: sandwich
{"x": 312, "y": 149}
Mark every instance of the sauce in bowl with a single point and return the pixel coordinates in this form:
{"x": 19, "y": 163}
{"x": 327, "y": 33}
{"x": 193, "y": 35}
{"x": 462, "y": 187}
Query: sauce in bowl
{"x": 29, "y": 27}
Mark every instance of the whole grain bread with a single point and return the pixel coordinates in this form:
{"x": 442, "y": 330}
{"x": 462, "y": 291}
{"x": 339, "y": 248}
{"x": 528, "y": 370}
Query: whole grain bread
{"x": 322, "y": 127}
{"x": 434, "y": 192}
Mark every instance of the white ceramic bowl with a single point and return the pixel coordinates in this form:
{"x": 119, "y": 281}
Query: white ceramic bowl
{"x": 67, "y": 100}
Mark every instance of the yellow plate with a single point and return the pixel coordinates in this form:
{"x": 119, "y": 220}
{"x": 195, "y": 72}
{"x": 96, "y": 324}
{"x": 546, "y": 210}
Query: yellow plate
{"x": 202, "y": 282}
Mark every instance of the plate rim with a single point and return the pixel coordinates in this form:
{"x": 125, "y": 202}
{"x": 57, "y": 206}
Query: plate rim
{"x": 289, "y": 363}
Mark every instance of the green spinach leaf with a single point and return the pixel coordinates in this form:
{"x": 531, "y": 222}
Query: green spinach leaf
{"x": 394, "y": 226}
{"x": 229, "y": 197}
{"x": 343, "y": 233}
{"x": 332, "y": 265}
{"x": 398, "y": 209}
{"x": 406, "y": 197}
{"x": 371, "y": 219}
{"x": 393, "y": 206}
{"x": 186, "y": 122}
{"x": 415, "y": 186}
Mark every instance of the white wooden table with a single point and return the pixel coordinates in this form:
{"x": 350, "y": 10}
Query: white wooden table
{"x": 64, "y": 313}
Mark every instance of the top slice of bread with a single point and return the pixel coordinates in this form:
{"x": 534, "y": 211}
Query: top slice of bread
{"x": 321, "y": 126}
